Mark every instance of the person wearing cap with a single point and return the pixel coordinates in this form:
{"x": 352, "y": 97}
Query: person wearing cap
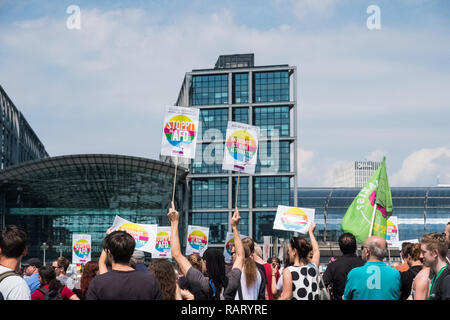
{"x": 137, "y": 261}
{"x": 31, "y": 273}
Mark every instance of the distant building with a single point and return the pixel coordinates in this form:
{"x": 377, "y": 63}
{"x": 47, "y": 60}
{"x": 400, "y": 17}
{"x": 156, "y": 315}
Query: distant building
{"x": 354, "y": 175}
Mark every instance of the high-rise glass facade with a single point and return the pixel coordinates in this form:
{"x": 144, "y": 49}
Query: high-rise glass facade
{"x": 264, "y": 96}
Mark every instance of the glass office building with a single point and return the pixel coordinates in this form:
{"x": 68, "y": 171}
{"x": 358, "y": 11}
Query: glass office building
{"x": 53, "y": 198}
{"x": 264, "y": 96}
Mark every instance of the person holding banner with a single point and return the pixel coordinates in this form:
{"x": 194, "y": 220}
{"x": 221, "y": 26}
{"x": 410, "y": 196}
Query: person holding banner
{"x": 300, "y": 280}
{"x": 216, "y": 285}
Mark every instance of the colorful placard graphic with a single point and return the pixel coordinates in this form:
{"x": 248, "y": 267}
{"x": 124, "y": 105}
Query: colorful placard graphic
{"x": 392, "y": 237}
{"x": 143, "y": 234}
{"x": 81, "y": 248}
{"x": 197, "y": 240}
{"x": 229, "y": 244}
{"x": 241, "y": 147}
{"x": 293, "y": 219}
{"x": 162, "y": 246}
{"x": 180, "y": 131}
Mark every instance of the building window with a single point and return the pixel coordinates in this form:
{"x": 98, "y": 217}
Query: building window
{"x": 272, "y": 119}
{"x": 208, "y": 158}
{"x": 269, "y": 192}
{"x": 271, "y": 86}
{"x": 210, "y": 193}
{"x": 217, "y": 222}
{"x": 240, "y": 88}
{"x": 274, "y": 156}
{"x": 263, "y": 226}
{"x": 216, "y": 119}
{"x": 242, "y": 192}
{"x": 209, "y": 90}
{"x": 240, "y": 115}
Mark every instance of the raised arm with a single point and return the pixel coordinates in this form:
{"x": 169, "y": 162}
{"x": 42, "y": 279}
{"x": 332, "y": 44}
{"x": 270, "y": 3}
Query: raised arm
{"x": 175, "y": 247}
{"x": 240, "y": 254}
{"x": 315, "y": 245}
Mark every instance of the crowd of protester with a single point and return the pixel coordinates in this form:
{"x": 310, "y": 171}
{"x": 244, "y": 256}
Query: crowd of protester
{"x": 122, "y": 274}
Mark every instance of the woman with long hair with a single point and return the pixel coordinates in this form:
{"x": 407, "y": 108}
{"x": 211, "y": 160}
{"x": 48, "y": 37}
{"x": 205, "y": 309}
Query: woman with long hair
{"x": 300, "y": 280}
{"x": 213, "y": 283}
{"x": 51, "y": 288}
{"x": 90, "y": 270}
{"x": 163, "y": 270}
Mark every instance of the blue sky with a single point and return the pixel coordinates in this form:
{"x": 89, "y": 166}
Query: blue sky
{"x": 362, "y": 93}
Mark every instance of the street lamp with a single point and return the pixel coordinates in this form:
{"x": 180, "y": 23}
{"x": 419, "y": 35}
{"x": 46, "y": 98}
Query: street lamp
{"x": 60, "y": 248}
{"x": 44, "y": 247}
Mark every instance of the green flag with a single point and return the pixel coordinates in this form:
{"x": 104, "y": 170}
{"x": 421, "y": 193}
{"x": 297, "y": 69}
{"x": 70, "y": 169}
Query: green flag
{"x": 358, "y": 218}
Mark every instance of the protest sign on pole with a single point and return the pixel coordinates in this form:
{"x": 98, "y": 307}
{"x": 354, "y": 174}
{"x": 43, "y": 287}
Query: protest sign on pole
{"x": 162, "y": 247}
{"x": 81, "y": 248}
{"x": 143, "y": 234}
{"x": 392, "y": 235}
{"x": 197, "y": 240}
{"x": 229, "y": 244}
{"x": 241, "y": 147}
{"x": 293, "y": 219}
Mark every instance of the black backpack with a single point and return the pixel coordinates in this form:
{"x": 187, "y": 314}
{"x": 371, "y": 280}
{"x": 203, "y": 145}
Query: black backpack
{"x": 52, "y": 294}
{"x": 6, "y": 275}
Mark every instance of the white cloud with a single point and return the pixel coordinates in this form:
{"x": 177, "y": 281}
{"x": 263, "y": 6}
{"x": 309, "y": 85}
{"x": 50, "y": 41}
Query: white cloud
{"x": 424, "y": 168}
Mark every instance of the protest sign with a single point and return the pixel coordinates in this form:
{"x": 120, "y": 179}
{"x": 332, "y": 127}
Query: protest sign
{"x": 81, "y": 248}
{"x": 180, "y": 131}
{"x": 162, "y": 247}
{"x": 229, "y": 244}
{"x": 392, "y": 236}
{"x": 197, "y": 240}
{"x": 241, "y": 147}
{"x": 293, "y": 219}
{"x": 143, "y": 234}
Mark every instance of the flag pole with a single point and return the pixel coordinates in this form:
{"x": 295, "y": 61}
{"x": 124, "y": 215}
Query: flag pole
{"x": 174, "y": 178}
{"x": 373, "y": 216}
{"x": 237, "y": 190}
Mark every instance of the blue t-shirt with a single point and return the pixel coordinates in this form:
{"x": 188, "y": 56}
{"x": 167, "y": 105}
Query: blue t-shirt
{"x": 373, "y": 281}
{"x": 33, "y": 282}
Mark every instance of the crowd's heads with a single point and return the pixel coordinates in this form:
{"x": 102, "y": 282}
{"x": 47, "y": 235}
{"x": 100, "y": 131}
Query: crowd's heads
{"x": 90, "y": 270}
{"x": 248, "y": 242}
{"x": 299, "y": 246}
{"x": 138, "y": 256}
{"x": 347, "y": 243}
{"x": 13, "y": 242}
{"x": 214, "y": 265}
{"x": 375, "y": 247}
{"x": 120, "y": 245}
{"x": 196, "y": 261}
{"x": 406, "y": 247}
{"x": 60, "y": 265}
{"x": 412, "y": 253}
{"x": 31, "y": 266}
{"x": 165, "y": 273}
{"x": 46, "y": 275}
{"x": 433, "y": 246}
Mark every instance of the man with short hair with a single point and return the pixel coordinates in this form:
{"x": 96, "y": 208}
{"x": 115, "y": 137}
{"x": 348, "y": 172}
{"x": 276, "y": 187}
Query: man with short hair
{"x": 406, "y": 247}
{"x": 31, "y": 273}
{"x": 13, "y": 241}
{"x": 122, "y": 282}
{"x": 60, "y": 266}
{"x": 336, "y": 273}
{"x": 434, "y": 249}
{"x": 375, "y": 280}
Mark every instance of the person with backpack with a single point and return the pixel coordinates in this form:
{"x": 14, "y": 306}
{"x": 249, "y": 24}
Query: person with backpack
{"x": 434, "y": 250}
{"x": 216, "y": 285}
{"x": 51, "y": 288}
{"x": 13, "y": 242}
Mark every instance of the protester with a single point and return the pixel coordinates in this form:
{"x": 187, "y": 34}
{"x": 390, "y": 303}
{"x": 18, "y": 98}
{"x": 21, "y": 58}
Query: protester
{"x": 420, "y": 288}
{"x": 137, "y": 261}
{"x": 216, "y": 284}
{"x": 447, "y": 239}
{"x": 51, "y": 288}
{"x": 268, "y": 271}
{"x": 196, "y": 261}
{"x": 122, "y": 282}
{"x": 434, "y": 249}
{"x": 163, "y": 270}
{"x": 412, "y": 254}
{"x": 13, "y": 241}
{"x": 375, "y": 280}
{"x": 406, "y": 247}
{"x": 300, "y": 280}
{"x": 253, "y": 280}
{"x": 335, "y": 276}
{"x": 90, "y": 270}
{"x": 60, "y": 266}
{"x": 31, "y": 273}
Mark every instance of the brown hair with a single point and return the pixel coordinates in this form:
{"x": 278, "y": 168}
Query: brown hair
{"x": 435, "y": 241}
{"x": 89, "y": 272}
{"x": 415, "y": 252}
{"x": 250, "y": 269}
{"x": 302, "y": 246}
{"x": 63, "y": 262}
{"x": 163, "y": 270}
{"x": 196, "y": 261}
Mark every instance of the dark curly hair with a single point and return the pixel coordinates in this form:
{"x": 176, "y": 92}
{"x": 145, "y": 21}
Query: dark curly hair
{"x": 163, "y": 270}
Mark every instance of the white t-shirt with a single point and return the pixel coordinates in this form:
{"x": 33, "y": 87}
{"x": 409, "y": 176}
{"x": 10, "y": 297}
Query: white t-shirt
{"x": 250, "y": 293}
{"x": 14, "y": 287}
